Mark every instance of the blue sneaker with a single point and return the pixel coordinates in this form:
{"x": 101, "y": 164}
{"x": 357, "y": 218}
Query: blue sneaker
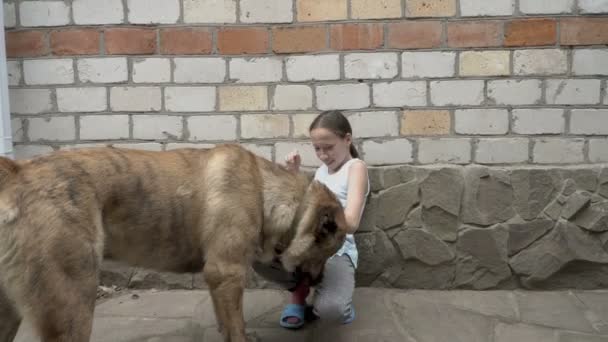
{"x": 293, "y": 311}
{"x": 350, "y": 317}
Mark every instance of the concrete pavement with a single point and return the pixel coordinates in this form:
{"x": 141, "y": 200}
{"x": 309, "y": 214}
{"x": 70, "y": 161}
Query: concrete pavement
{"x": 382, "y": 315}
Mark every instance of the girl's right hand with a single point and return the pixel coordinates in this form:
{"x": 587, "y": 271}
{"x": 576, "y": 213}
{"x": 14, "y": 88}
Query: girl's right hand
{"x": 293, "y": 161}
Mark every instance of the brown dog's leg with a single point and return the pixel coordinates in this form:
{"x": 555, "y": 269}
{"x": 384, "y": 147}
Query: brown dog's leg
{"x": 9, "y": 319}
{"x": 63, "y": 299}
{"x": 227, "y": 284}
{"x": 71, "y": 323}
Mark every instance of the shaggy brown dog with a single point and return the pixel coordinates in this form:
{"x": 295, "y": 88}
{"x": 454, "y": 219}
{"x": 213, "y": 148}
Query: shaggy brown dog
{"x": 217, "y": 210}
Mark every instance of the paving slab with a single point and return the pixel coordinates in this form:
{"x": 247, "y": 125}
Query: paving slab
{"x": 382, "y": 315}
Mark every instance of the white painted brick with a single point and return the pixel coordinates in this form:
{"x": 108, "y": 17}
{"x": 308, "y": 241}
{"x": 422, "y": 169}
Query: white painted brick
{"x": 590, "y": 62}
{"x": 190, "y": 99}
{"x": 484, "y": 63}
{"x": 292, "y": 97}
{"x": 156, "y": 127}
{"x": 456, "y": 151}
{"x": 472, "y": 8}
{"x": 589, "y": 121}
{"x": 95, "y": 12}
{"x": 175, "y": 146}
{"x": 558, "y": 150}
{"x": 538, "y": 121}
{"x": 593, "y": 6}
{"x": 135, "y": 99}
{"x": 395, "y": 151}
{"x": 573, "y": 91}
{"x": 481, "y": 121}
{"x": 153, "y": 11}
{"x": 140, "y": 146}
{"x": 515, "y": 92}
{"x": 263, "y": 151}
{"x": 540, "y": 62}
{"x": 306, "y": 150}
{"x": 17, "y": 130}
{"x": 301, "y": 124}
{"x": 598, "y": 150}
{"x": 29, "y": 151}
{"x": 151, "y": 70}
{"x": 44, "y": 13}
{"x": 89, "y": 99}
{"x": 212, "y": 127}
{"x": 370, "y": 65}
{"x": 14, "y": 73}
{"x": 502, "y": 151}
{"x": 10, "y": 15}
{"x": 400, "y": 93}
{"x": 268, "y": 11}
{"x": 313, "y": 68}
{"x": 606, "y": 93}
{"x": 203, "y": 70}
{"x": 102, "y": 70}
{"x": 30, "y": 101}
{"x": 250, "y": 70}
{"x": 374, "y": 124}
{"x": 467, "y": 92}
{"x": 210, "y": 11}
{"x": 342, "y": 96}
{"x": 52, "y": 128}
{"x": 102, "y": 127}
{"x": 259, "y": 126}
{"x": 428, "y": 64}
{"x": 546, "y": 6}
{"x": 48, "y": 71}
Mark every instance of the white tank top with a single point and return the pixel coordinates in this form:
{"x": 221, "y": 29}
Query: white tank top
{"x": 338, "y": 183}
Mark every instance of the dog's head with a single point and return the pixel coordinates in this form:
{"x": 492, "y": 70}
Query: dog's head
{"x": 320, "y": 230}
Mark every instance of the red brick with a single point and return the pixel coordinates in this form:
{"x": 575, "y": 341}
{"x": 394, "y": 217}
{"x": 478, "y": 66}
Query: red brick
{"x": 26, "y": 44}
{"x": 233, "y": 40}
{"x": 584, "y": 31}
{"x": 299, "y": 39}
{"x": 531, "y": 32}
{"x": 130, "y": 41}
{"x": 414, "y": 34}
{"x": 186, "y": 41}
{"x": 357, "y": 36}
{"x": 475, "y": 34}
{"x": 75, "y": 42}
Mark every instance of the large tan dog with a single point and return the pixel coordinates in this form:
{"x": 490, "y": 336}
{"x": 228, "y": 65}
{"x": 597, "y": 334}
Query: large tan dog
{"x": 216, "y": 210}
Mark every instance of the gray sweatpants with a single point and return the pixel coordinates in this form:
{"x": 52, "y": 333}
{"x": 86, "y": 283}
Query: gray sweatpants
{"x": 332, "y": 297}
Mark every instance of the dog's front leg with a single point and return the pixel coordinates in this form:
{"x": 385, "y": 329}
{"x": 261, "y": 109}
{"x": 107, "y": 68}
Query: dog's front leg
{"x": 9, "y": 319}
{"x": 227, "y": 283}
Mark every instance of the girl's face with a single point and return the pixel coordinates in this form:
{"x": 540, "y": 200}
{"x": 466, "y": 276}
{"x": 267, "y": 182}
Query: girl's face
{"x": 330, "y": 148}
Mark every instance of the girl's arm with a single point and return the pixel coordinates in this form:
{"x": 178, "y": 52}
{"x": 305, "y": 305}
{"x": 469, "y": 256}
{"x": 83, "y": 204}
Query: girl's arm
{"x": 357, "y": 190}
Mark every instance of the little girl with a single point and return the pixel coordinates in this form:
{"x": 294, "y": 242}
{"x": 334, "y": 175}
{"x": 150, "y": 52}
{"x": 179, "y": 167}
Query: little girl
{"x": 346, "y": 175}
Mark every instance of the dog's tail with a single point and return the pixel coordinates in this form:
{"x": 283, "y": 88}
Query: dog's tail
{"x": 8, "y": 169}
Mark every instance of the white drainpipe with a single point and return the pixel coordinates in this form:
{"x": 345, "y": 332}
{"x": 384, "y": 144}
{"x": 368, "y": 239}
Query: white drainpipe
{"x": 6, "y": 139}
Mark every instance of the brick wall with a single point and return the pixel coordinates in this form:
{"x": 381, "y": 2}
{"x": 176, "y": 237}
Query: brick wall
{"x": 423, "y": 81}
